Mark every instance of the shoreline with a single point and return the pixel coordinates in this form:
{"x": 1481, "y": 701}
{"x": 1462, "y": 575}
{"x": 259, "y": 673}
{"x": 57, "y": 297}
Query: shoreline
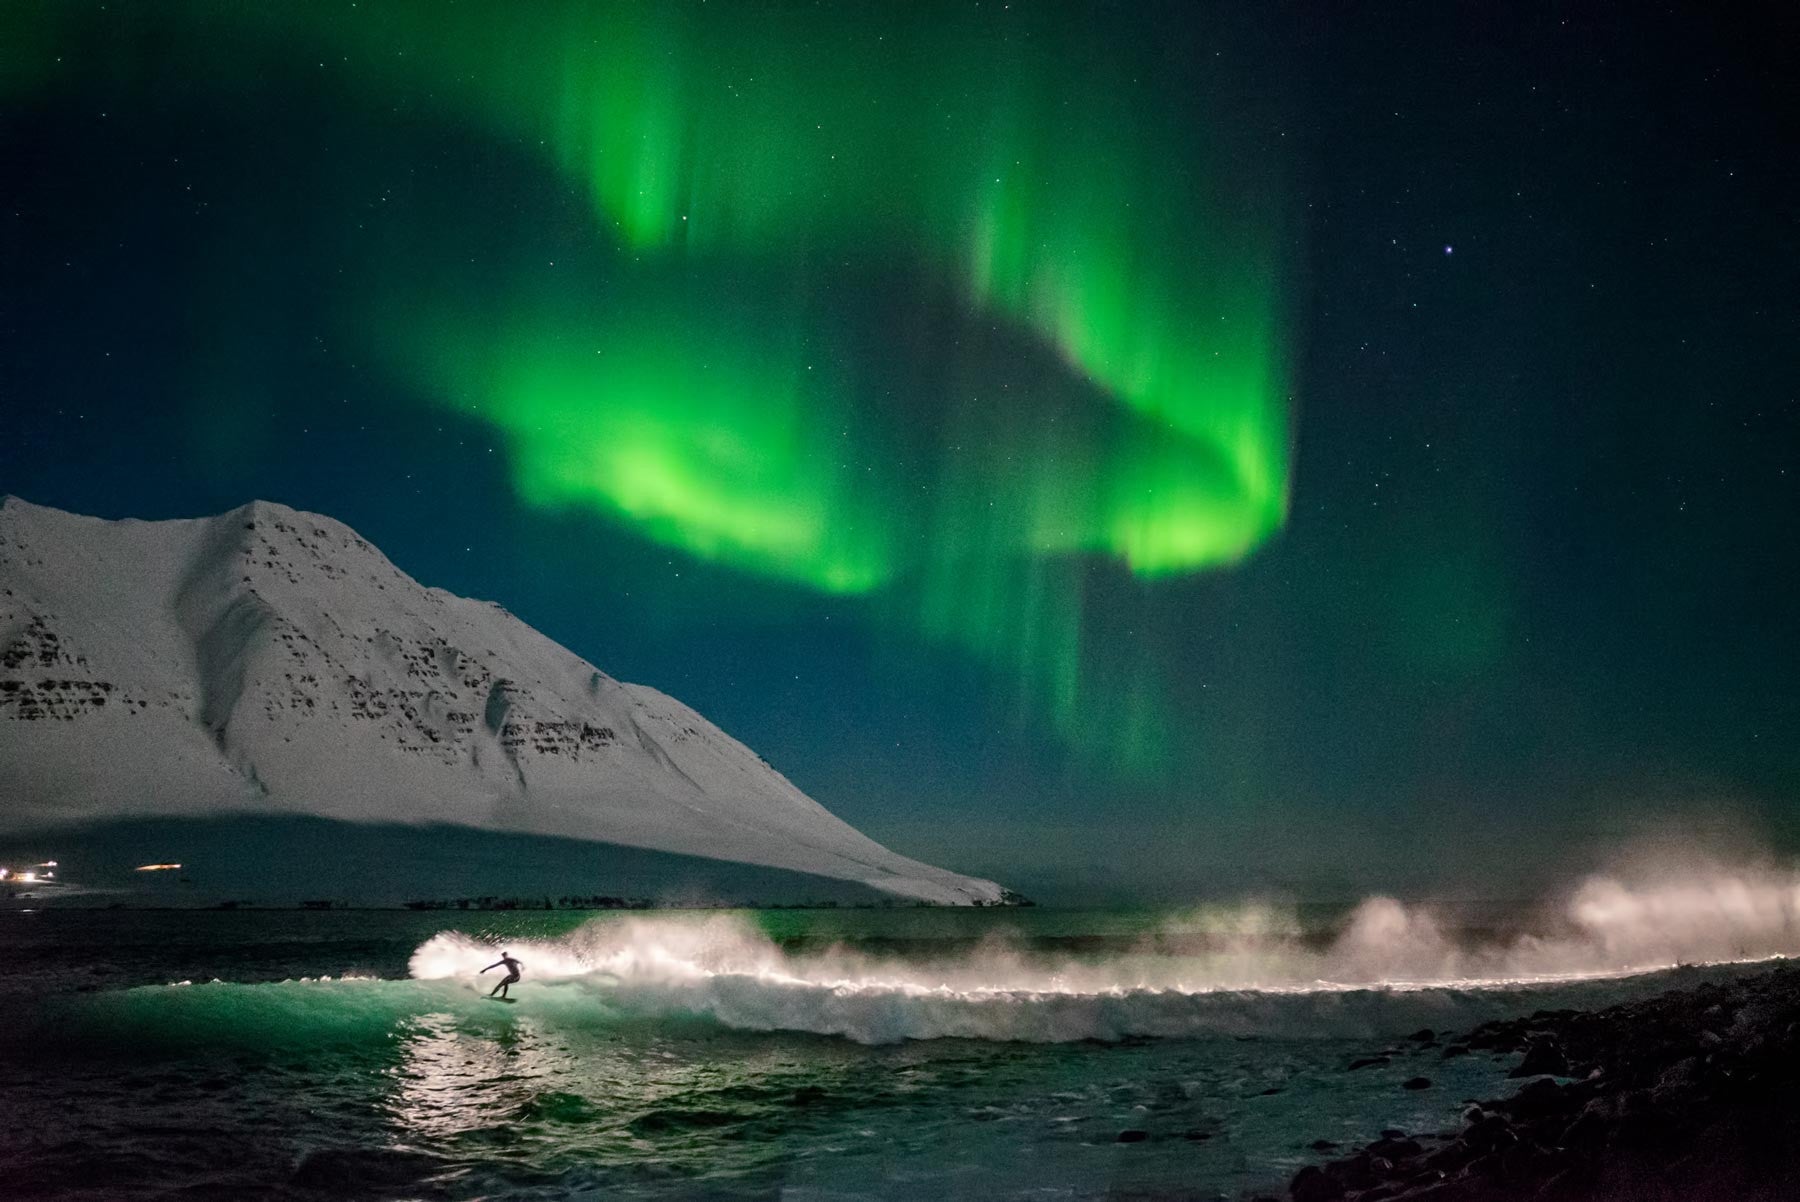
{"x": 1684, "y": 1095}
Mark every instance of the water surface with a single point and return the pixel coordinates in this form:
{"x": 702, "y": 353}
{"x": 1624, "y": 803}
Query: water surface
{"x": 793, "y": 1054}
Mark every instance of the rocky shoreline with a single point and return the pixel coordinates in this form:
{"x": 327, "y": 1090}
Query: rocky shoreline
{"x": 1687, "y": 1095}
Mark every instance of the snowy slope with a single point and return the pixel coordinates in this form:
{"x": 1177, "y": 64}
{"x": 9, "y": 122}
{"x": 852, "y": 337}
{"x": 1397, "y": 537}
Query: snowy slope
{"x": 268, "y": 661}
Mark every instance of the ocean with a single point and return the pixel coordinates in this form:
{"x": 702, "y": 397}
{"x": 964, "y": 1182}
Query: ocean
{"x": 825, "y": 1054}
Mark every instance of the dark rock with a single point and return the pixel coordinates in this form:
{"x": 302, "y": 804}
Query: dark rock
{"x": 1367, "y": 1062}
{"x": 1648, "y": 1121}
{"x": 1323, "y": 1145}
{"x": 1196, "y": 1135}
{"x": 1543, "y": 1056}
{"x": 1271, "y": 1091}
{"x": 1392, "y": 1133}
{"x": 1540, "y": 1098}
{"x": 1484, "y": 1166}
{"x": 1592, "y": 1126}
{"x": 1416, "y": 1083}
{"x": 1683, "y": 1095}
{"x": 1133, "y": 1136}
{"x": 1680, "y": 1078}
{"x": 1396, "y": 1149}
{"x": 1525, "y": 1162}
{"x": 1450, "y": 1158}
{"x": 1489, "y": 1132}
{"x": 1423, "y": 1035}
{"x": 1355, "y": 1172}
{"x": 1311, "y": 1184}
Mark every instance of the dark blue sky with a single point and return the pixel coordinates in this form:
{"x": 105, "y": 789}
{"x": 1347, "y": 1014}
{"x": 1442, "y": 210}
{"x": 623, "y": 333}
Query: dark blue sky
{"x": 1535, "y": 590}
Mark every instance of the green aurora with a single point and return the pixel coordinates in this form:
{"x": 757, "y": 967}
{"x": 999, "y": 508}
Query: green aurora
{"x": 750, "y": 166}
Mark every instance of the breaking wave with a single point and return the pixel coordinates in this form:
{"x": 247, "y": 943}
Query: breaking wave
{"x": 1383, "y": 970}
{"x": 1389, "y": 966}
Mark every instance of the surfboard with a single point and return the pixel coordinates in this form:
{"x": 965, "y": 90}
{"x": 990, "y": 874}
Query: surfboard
{"x": 511, "y": 1001}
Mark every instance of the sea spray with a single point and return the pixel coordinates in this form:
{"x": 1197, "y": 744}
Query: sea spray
{"x": 1382, "y": 969}
{"x": 1389, "y": 965}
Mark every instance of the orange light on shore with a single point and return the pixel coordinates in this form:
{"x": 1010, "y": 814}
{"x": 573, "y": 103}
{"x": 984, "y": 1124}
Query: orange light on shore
{"x": 156, "y": 867}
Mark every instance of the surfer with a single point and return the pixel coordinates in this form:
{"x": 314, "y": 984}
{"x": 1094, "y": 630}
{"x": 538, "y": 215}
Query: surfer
{"x": 512, "y": 974}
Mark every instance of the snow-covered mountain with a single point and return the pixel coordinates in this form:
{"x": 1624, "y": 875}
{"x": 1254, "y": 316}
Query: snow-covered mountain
{"x": 271, "y": 662}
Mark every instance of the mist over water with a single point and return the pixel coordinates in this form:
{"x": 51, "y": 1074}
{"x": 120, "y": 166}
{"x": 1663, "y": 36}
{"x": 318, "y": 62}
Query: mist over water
{"x": 1240, "y": 969}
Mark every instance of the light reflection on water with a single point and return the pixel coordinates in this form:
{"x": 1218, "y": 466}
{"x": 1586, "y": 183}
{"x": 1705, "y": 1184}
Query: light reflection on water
{"x": 712, "y": 1073}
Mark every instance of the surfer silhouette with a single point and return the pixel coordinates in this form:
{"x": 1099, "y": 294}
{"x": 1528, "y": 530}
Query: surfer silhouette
{"x": 512, "y": 975}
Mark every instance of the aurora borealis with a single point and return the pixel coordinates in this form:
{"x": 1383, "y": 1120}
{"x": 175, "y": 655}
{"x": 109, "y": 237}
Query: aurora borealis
{"x": 695, "y": 392}
{"x": 695, "y": 382}
{"x": 1078, "y": 394}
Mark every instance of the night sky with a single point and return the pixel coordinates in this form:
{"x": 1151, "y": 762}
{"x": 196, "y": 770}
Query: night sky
{"x": 1121, "y": 449}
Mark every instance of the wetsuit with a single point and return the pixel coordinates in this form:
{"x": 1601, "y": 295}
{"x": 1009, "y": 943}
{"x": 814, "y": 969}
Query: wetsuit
{"x": 512, "y": 974}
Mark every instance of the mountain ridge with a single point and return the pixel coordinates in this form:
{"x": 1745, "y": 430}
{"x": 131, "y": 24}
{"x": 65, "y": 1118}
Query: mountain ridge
{"x": 268, "y": 660}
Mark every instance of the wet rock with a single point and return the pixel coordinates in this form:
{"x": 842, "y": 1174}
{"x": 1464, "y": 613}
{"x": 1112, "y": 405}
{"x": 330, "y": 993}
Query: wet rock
{"x": 1423, "y": 1035}
{"x": 1489, "y": 1132}
{"x": 1353, "y": 1172}
{"x": 1133, "y": 1136}
{"x": 1524, "y": 1162}
{"x": 1416, "y": 1083}
{"x": 1323, "y": 1145}
{"x": 1311, "y": 1184}
{"x": 1450, "y": 1158}
{"x": 1638, "y": 1123}
{"x": 1538, "y": 1099}
{"x": 1592, "y": 1126}
{"x": 1684, "y": 1095}
{"x": 1483, "y": 1166}
{"x": 1682, "y": 1077}
{"x": 1396, "y": 1149}
{"x": 1543, "y": 1056}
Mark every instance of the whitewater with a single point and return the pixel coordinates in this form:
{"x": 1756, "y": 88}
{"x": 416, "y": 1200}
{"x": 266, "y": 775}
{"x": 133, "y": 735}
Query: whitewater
{"x": 810, "y": 1054}
{"x": 1238, "y": 970}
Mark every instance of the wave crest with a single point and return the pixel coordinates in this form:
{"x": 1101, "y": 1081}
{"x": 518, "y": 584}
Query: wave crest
{"x": 1252, "y": 970}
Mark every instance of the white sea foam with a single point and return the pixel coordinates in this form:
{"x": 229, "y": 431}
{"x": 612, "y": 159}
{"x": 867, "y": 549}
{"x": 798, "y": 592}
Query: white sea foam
{"x": 1389, "y": 966}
